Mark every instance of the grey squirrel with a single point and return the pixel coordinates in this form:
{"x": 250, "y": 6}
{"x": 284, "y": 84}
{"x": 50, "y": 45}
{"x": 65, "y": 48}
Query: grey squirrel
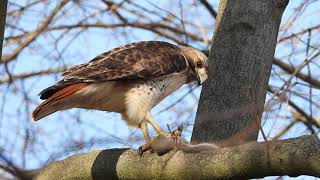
{"x": 163, "y": 144}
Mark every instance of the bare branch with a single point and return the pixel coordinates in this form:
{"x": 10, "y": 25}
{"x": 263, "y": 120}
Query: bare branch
{"x": 34, "y": 35}
{"x": 209, "y": 8}
{"x": 31, "y": 74}
{"x": 299, "y": 74}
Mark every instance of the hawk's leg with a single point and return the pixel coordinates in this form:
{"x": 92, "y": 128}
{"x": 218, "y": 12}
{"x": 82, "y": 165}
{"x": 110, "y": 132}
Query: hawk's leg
{"x": 144, "y": 129}
{"x": 145, "y": 147}
{"x": 156, "y": 127}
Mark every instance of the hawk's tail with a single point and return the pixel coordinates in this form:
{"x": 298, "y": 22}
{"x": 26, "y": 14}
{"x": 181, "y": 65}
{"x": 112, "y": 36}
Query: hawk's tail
{"x": 54, "y": 95}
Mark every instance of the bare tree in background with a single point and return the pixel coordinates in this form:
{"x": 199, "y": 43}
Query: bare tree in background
{"x": 42, "y": 38}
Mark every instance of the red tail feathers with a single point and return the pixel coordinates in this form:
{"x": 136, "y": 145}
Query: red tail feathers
{"x": 37, "y": 113}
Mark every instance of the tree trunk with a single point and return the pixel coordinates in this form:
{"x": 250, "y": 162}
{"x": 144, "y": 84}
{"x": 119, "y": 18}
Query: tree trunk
{"x": 239, "y": 68}
{"x": 3, "y": 12}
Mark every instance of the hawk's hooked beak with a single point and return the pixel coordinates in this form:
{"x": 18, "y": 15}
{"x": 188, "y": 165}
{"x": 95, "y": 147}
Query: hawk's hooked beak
{"x": 199, "y": 80}
{"x": 202, "y": 75}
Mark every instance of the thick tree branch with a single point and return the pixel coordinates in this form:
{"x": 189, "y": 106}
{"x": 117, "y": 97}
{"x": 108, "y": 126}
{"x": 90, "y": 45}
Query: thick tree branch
{"x": 293, "y": 157}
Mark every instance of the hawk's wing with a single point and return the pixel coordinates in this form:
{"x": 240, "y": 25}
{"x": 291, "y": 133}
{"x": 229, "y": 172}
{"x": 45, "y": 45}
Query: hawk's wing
{"x": 143, "y": 60}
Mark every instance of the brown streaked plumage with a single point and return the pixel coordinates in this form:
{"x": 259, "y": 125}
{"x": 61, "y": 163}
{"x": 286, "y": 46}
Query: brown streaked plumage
{"x": 130, "y": 80}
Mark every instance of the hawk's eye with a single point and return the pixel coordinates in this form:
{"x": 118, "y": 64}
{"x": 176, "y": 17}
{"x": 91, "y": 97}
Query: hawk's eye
{"x": 199, "y": 64}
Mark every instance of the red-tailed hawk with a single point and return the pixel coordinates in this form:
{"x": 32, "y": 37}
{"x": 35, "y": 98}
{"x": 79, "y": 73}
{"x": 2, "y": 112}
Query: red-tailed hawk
{"x": 130, "y": 80}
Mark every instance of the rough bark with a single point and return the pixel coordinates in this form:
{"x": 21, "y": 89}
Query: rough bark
{"x": 293, "y": 157}
{"x": 240, "y": 64}
{"x": 3, "y": 12}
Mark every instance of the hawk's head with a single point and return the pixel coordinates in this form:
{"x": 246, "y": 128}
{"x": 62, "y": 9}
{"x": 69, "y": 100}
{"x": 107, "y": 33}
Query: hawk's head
{"x": 198, "y": 63}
